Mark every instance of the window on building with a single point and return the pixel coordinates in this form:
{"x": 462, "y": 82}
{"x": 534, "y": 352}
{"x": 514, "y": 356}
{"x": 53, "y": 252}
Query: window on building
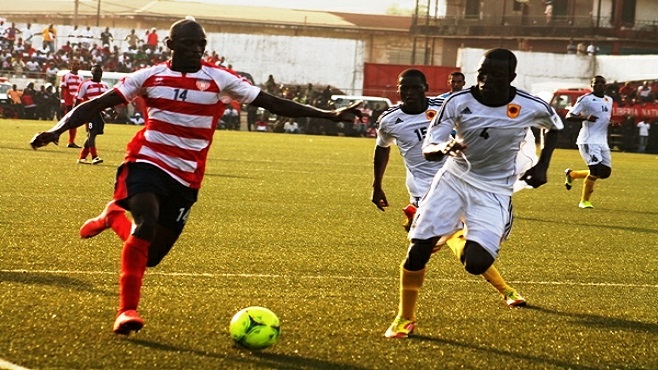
{"x": 472, "y": 9}
{"x": 560, "y": 8}
{"x": 627, "y": 12}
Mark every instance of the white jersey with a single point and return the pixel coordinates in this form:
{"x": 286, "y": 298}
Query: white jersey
{"x": 493, "y": 136}
{"x": 408, "y": 131}
{"x": 595, "y": 132}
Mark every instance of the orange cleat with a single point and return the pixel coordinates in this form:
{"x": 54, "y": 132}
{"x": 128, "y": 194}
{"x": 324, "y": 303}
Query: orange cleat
{"x": 97, "y": 225}
{"x": 410, "y": 212}
{"x": 128, "y": 321}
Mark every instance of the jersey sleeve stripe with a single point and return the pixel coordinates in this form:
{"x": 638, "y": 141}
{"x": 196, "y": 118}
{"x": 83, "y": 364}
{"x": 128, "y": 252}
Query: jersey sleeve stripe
{"x": 437, "y": 119}
{"x": 389, "y": 111}
{"x": 116, "y": 90}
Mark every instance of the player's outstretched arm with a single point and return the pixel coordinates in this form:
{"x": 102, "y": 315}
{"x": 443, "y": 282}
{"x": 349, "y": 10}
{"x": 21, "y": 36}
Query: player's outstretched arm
{"x": 536, "y": 176}
{"x": 80, "y": 115}
{"x": 289, "y": 108}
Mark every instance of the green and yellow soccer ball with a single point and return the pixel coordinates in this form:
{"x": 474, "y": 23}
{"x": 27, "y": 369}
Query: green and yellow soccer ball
{"x": 255, "y": 327}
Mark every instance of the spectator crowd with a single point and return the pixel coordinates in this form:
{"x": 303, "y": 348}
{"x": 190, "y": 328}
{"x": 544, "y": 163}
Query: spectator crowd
{"x": 40, "y": 52}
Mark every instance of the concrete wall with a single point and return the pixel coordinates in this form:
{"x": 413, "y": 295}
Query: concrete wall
{"x": 541, "y": 73}
{"x": 291, "y": 60}
{"x": 295, "y": 60}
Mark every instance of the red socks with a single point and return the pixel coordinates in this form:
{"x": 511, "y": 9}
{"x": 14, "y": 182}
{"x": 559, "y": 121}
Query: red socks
{"x": 84, "y": 153}
{"x": 121, "y": 225}
{"x": 72, "y": 133}
{"x": 133, "y": 264}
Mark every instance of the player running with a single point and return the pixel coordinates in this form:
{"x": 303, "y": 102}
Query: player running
{"x": 406, "y": 125}
{"x": 159, "y": 180}
{"x": 476, "y": 183}
{"x": 594, "y": 111}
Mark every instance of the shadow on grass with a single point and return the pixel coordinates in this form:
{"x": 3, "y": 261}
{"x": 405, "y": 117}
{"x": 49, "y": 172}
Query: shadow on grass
{"x": 613, "y": 227}
{"x": 57, "y": 280}
{"x": 514, "y": 357}
{"x": 588, "y": 320}
{"x": 596, "y": 321}
{"x": 261, "y": 358}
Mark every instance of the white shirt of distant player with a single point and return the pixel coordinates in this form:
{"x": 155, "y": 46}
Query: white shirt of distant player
{"x": 408, "y": 131}
{"x": 595, "y": 132}
{"x": 493, "y": 136}
{"x": 91, "y": 89}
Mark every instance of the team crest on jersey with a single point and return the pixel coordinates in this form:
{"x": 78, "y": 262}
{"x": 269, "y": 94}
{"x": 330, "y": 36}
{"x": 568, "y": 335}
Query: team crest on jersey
{"x": 430, "y": 114}
{"x": 203, "y": 85}
{"x": 513, "y": 110}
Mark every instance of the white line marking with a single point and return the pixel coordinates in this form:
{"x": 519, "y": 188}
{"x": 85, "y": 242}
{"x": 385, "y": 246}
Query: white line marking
{"x": 327, "y": 277}
{"x": 6, "y": 365}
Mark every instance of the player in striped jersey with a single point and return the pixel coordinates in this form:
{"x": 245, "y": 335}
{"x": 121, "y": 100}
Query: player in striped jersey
{"x": 165, "y": 161}
{"x": 475, "y": 185}
{"x": 89, "y": 90}
{"x": 406, "y": 125}
{"x": 594, "y": 111}
{"x": 69, "y": 86}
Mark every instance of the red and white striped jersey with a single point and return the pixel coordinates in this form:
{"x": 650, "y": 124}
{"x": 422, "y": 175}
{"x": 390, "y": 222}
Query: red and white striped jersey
{"x": 70, "y": 84}
{"x": 90, "y": 89}
{"x": 183, "y": 110}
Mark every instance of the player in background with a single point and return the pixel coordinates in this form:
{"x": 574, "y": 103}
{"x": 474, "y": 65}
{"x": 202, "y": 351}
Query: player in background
{"x": 159, "y": 180}
{"x": 69, "y": 86}
{"x": 456, "y": 81}
{"x": 405, "y": 125}
{"x": 474, "y": 187}
{"x": 594, "y": 111}
{"x": 89, "y": 90}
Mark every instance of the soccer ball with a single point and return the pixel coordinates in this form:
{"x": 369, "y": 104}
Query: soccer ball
{"x": 255, "y": 327}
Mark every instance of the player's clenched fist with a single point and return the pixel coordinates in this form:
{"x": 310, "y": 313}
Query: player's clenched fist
{"x": 43, "y": 139}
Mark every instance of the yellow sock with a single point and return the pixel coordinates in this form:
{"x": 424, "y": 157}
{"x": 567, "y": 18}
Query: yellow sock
{"x": 456, "y": 243}
{"x": 579, "y": 174}
{"x": 493, "y": 277}
{"x": 410, "y": 283}
{"x": 588, "y": 187}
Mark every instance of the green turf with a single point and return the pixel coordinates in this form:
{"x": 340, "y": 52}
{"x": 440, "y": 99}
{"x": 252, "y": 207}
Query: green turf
{"x": 285, "y": 221}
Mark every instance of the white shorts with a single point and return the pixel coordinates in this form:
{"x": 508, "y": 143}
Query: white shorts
{"x": 487, "y": 216}
{"x": 594, "y": 154}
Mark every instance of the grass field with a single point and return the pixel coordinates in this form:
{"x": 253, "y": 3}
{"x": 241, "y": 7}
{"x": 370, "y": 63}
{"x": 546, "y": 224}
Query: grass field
{"x": 285, "y": 222}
